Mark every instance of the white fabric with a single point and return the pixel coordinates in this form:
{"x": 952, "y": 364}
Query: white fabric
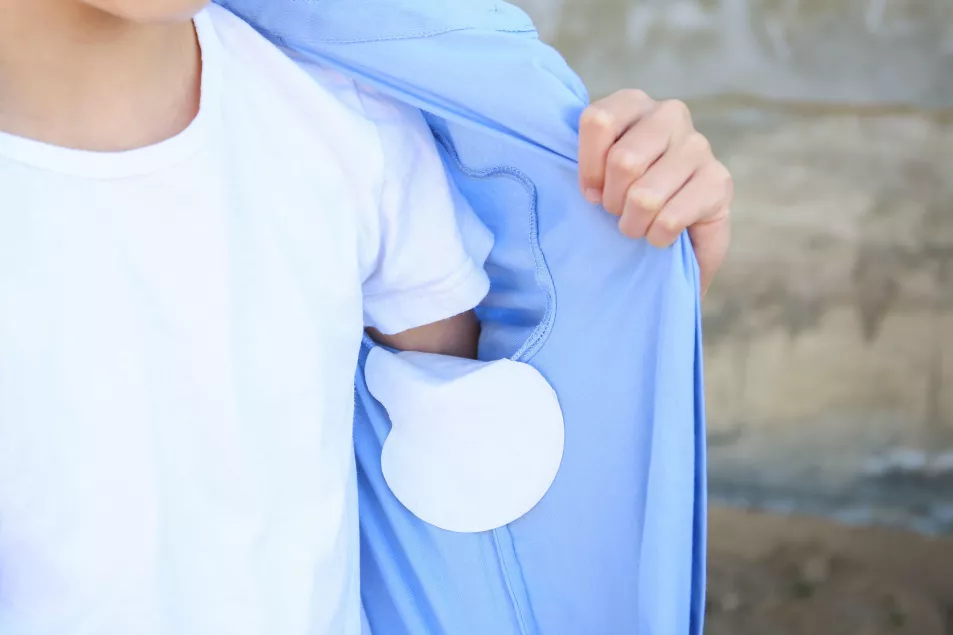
{"x": 474, "y": 445}
{"x": 179, "y": 329}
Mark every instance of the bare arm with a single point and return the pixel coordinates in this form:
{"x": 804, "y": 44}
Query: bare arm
{"x": 456, "y": 336}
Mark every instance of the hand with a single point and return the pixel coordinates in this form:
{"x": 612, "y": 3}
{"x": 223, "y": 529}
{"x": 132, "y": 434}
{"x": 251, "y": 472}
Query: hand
{"x": 644, "y": 161}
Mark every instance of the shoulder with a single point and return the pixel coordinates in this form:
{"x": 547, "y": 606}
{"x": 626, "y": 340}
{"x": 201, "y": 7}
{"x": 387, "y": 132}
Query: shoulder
{"x": 400, "y": 142}
{"x": 315, "y": 96}
{"x": 253, "y": 54}
{"x": 397, "y": 126}
{"x": 260, "y": 72}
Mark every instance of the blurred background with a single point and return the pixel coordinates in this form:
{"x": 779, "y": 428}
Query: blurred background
{"x": 829, "y": 333}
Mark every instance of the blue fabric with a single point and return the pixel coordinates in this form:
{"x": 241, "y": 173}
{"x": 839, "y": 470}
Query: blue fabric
{"x": 617, "y": 546}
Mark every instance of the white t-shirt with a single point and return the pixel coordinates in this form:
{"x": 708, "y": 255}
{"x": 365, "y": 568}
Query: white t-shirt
{"x": 179, "y": 331}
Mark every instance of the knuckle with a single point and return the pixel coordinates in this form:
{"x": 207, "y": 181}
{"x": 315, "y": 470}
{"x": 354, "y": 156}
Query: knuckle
{"x": 724, "y": 178}
{"x": 633, "y": 201}
{"x": 635, "y": 95}
{"x": 677, "y": 109}
{"x": 597, "y": 118}
{"x": 671, "y": 227}
{"x": 698, "y": 143}
{"x": 639, "y": 199}
{"x": 621, "y": 160}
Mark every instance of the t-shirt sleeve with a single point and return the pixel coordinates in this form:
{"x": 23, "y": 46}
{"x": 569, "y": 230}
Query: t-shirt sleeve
{"x": 417, "y": 265}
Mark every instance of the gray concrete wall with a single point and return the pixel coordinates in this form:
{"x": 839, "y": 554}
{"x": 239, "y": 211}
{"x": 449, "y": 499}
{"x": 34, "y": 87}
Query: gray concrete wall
{"x": 830, "y": 331}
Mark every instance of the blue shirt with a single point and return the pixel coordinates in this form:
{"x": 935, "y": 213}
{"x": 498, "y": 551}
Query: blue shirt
{"x": 617, "y": 545}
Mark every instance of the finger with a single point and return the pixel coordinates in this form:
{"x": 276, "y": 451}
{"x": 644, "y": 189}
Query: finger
{"x": 707, "y": 192}
{"x": 648, "y": 196}
{"x": 711, "y": 242}
{"x": 637, "y": 152}
{"x": 601, "y": 125}
{"x": 631, "y": 157}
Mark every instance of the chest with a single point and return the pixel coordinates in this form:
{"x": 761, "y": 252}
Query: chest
{"x": 177, "y": 355}
{"x": 234, "y": 273}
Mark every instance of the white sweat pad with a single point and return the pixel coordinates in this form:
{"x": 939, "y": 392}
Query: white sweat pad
{"x": 474, "y": 445}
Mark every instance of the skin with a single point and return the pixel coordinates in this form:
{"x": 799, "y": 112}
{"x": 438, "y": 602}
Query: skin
{"x": 457, "y": 336}
{"x": 84, "y": 75}
{"x": 645, "y": 162}
{"x": 148, "y": 11}
{"x": 112, "y": 75}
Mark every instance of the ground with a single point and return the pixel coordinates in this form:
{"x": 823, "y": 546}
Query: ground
{"x": 773, "y": 575}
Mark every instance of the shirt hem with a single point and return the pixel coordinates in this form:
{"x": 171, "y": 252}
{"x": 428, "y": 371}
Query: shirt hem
{"x": 406, "y": 310}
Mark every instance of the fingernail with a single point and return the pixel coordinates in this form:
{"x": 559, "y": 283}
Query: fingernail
{"x": 594, "y": 196}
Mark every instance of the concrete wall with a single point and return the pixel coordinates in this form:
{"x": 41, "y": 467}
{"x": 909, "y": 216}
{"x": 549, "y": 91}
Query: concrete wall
{"x": 837, "y": 50}
{"x": 830, "y": 331}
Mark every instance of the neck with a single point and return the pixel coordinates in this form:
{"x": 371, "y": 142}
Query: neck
{"x": 74, "y": 76}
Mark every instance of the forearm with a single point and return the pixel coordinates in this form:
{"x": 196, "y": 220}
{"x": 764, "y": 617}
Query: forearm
{"x": 457, "y": 336}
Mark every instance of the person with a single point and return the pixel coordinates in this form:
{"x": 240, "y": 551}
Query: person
{"x": 196, "y": 230}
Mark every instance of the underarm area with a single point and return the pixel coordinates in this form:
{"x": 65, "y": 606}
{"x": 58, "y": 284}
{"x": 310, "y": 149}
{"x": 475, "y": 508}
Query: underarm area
{"x": 457, "y": 336}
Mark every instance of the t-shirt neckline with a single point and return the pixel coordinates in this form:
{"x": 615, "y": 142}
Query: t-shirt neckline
{"x": 105, "y": 165}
